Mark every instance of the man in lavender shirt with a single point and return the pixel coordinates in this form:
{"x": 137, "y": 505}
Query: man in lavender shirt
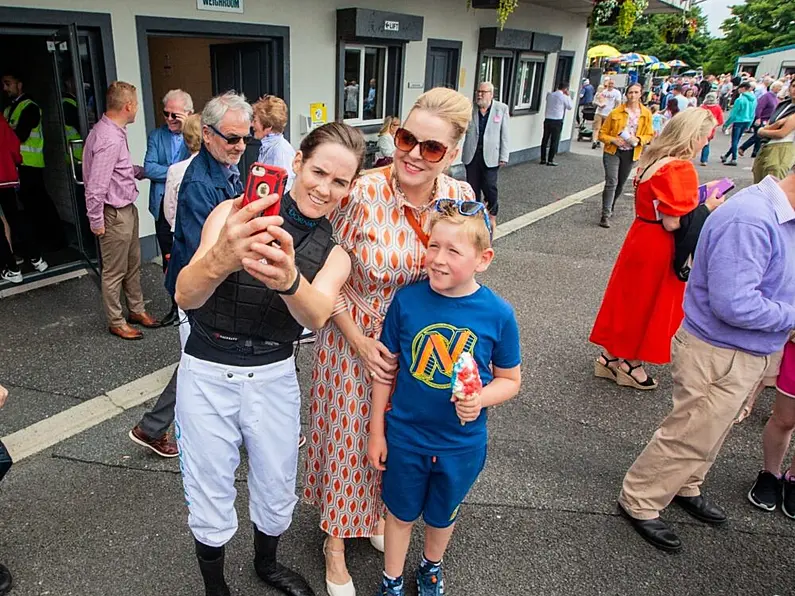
{"x": 109, "y": 176}
{"x": 739, "y": 309}
{"x": 764, "y": 110}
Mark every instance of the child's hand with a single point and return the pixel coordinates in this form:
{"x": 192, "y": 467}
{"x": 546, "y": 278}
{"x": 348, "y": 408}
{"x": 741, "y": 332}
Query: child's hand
{"x": 3, "y": 396}
{"x": 376, "y": 451}
{"x": 468, "y": 410}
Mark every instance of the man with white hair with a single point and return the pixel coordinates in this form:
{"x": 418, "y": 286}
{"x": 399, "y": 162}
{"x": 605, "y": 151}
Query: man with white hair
{"x": 164, "y": 148}
{"x": 486, "y": 146}
{"x": 212, "y": 177}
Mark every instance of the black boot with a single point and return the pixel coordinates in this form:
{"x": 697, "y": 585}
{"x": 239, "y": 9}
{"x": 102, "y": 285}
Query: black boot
{"x": 211, "y": 564}
{"x": 172, "y": 318}
{"x": 274, "y": 573}
{"x": 5, "y": 580}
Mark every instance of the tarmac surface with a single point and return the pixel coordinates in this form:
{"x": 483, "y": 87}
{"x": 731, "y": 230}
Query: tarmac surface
{"x": 95, "y": 515}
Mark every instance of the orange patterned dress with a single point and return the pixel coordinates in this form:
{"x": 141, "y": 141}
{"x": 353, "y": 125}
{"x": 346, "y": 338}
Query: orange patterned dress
{"x": 386, "y": 254}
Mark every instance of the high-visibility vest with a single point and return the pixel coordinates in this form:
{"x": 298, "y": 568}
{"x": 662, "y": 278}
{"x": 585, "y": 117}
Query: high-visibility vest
{"x": 72, "y": 134}
{"x": 32, "y": 148}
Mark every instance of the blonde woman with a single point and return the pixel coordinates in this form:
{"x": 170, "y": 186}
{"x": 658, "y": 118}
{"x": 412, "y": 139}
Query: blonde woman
{"x": 382, "y": 226}
{"x": 386, "y": 141}
{"x": 642, "y": 306}
{"x": 192, "y": 134}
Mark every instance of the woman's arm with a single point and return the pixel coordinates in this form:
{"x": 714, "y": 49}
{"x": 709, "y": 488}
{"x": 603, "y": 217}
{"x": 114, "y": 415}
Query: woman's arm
{"x": 379, "y": 362}
{"x": 606, "y": 129}
{"x": 376, "y": 446}
{"x": 227, "y": 238}
{"x": 313, "y": 303}
{"x": 670, "y": 223}
{"x": 779, "y": 129}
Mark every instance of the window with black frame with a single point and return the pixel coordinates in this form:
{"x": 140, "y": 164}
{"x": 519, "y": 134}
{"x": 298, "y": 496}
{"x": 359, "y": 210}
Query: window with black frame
{"x": 495, "y": 68}
{"x": 529, "y": 82}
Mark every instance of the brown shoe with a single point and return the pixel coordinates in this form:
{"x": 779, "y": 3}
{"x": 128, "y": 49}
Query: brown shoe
{"x": 164, "y": 446}
{"x": 144, "y": 319}
{"x": 126, "y": 332}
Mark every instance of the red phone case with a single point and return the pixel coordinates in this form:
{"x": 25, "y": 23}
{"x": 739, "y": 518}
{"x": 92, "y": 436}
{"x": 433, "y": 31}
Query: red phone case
{"x": 264, "y": 180}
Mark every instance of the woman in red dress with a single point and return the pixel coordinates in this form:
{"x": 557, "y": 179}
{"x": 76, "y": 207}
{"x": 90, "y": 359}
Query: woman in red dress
{"x": 642, "y": 306}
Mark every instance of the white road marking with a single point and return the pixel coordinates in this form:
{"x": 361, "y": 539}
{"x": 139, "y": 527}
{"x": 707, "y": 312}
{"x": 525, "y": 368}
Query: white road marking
{"x": 48, "y": 432}
{"x": 516, "y": 224}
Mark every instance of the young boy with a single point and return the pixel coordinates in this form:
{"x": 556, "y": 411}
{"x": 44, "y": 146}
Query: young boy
{"x": 435, "y": 447}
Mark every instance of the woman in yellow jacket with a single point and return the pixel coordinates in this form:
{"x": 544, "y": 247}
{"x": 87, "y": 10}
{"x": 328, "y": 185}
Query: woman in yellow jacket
{"x": 624, "y": 133}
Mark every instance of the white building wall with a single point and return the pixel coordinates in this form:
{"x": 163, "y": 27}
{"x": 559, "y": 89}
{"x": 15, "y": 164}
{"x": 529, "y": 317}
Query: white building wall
{"x": 313, "y": 51}
{"x": 771, "y": 63}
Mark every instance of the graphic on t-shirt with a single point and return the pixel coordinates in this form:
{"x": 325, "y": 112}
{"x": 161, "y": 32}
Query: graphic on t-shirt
{"x": 435, "y": 350}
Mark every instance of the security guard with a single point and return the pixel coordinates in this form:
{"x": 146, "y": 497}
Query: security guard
{"x": 25, "y": 117}
{"x": 71, "y": 125}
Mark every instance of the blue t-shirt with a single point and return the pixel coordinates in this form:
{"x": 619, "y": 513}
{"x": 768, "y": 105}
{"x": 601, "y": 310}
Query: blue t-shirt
{"x": 429, "y": 331}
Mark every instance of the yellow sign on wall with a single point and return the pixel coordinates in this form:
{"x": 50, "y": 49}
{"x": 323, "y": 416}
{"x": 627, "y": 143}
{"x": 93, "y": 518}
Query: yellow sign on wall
{"x": 318, "y": 114}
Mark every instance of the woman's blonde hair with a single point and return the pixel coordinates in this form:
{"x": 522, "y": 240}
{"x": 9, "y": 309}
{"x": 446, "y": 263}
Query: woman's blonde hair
{"x": 679, "y": 137}
{"x": 449, "y": 105}
{"x": 387, "y": 124}
{"x": 192, "y": 132}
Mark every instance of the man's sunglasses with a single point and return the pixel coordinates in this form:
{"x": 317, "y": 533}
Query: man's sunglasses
{"x": 430, "y": 151}
{"x": 467, "y": 208}
{"x": 230, "y": 140}
{"x": 170, "y": 115}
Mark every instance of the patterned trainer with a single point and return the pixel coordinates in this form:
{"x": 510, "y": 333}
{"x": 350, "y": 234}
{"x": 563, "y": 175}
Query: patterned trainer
{"x": 430, "y": 580}
{"x": 391, "y": 587}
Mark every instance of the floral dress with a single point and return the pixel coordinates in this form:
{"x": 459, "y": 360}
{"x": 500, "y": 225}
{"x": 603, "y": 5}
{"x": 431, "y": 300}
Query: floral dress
{"x": 386, "y": 254}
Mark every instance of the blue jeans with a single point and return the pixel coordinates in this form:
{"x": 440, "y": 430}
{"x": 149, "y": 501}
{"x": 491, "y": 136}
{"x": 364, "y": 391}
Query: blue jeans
{"x": 738, "y": 129}
{"x": 705, "y": 154}
{"x": 754, "y": 140}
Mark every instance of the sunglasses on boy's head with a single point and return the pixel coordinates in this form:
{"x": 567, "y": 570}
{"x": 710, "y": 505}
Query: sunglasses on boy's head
{"x": 430, "y": 151}
{"x": 230, "y": 140}
{"x": 467, "y": 208}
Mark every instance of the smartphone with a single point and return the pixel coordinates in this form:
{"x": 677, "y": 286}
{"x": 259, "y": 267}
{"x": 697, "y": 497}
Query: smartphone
{"x": 264, "y": 180}
{"x": 723, "y": 185}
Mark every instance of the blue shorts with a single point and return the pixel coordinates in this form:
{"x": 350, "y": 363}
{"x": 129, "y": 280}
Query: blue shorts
{"x": 433, "y": 486}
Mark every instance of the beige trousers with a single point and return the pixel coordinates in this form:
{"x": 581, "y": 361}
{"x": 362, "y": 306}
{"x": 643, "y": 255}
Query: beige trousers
{"x": 121, "y": 263}
{"x": 711, "y": 384}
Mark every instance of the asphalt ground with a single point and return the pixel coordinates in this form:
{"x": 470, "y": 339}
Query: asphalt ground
{"x": 96, "y": 515}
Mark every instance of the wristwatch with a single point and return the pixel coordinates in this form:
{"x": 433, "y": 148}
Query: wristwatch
{"x": 293, "y": 288}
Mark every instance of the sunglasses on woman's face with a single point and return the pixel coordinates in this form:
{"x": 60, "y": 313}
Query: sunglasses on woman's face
{"x": 430, "y": 151}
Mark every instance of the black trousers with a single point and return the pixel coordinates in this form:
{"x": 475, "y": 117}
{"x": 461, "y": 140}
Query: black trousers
{"x": 552, "y": 130}
{"x": 165, "y": 238}
{"x": 484, "y": 179}
{"x": 156, "y": 422}
{"x": 21, "y": 223}
{"x": 5, "y": 461}
{"x": 36, "y": 200}
{"x": 6, "y": 256}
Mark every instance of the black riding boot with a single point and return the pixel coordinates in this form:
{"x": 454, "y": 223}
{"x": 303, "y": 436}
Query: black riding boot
{"x": 273, "y": 573}
{"x": 211, "y": 564}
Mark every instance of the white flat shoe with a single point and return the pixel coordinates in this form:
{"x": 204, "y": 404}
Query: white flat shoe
{"x": 346, "y": 589}
{"x": 377, "y": 540}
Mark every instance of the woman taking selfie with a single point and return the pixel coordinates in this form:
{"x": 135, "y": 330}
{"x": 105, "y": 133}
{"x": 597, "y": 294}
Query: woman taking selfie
{"x": 248, "y": 300}
{"x": 382, "y": 227}
{"x": 642, "y": 306}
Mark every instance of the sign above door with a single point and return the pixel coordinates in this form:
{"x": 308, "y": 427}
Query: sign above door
{"x": 220, "y": 5}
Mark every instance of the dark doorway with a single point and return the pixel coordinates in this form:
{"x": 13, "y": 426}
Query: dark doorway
{"x": 442, "y": 63}
{"x": 563, "y": 71}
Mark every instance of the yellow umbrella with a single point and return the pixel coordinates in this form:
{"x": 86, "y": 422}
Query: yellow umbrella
{"x": 603, "y": 51}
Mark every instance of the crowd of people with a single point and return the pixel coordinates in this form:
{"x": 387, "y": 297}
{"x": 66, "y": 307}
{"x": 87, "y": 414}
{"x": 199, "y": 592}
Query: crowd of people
{"x": 381, "y": 264}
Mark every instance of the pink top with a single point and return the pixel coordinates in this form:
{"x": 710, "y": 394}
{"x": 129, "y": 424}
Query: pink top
{"x": 108, "y": 172}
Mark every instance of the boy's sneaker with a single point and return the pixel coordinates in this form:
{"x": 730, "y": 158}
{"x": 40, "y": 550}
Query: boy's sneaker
{"x": 788, "y": 496}
{"x": 430, "y": 580}
{"x": 764, "y": 493}
{"x": 391, "y": 587}
{"x": 15, "y": 277}
{"x": 40, "y": 264}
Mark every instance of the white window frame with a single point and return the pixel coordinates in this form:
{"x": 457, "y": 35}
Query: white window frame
{"x": 537, "y": 61}
{"x": 359, "y": 120}
{"x": 486, "y": 77}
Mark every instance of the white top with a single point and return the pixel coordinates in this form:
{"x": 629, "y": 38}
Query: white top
{"x": 611, "y": 98}
{"x": 790, "y": 138}
{"x": 692, "y": 102}
{"x": 385, "y": 146}
{"x": 174, "y": 176}
{"x": 557, "y": 104}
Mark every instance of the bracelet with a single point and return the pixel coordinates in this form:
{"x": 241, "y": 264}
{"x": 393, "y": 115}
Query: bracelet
{"x": 293, "y": 288}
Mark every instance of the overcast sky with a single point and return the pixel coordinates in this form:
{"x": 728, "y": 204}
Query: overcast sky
{"x": 717, "y": 11}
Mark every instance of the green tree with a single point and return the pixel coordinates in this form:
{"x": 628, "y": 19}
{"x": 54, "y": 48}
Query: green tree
{"x": 647, "y": 37}
{"x": 754, "y": 26}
